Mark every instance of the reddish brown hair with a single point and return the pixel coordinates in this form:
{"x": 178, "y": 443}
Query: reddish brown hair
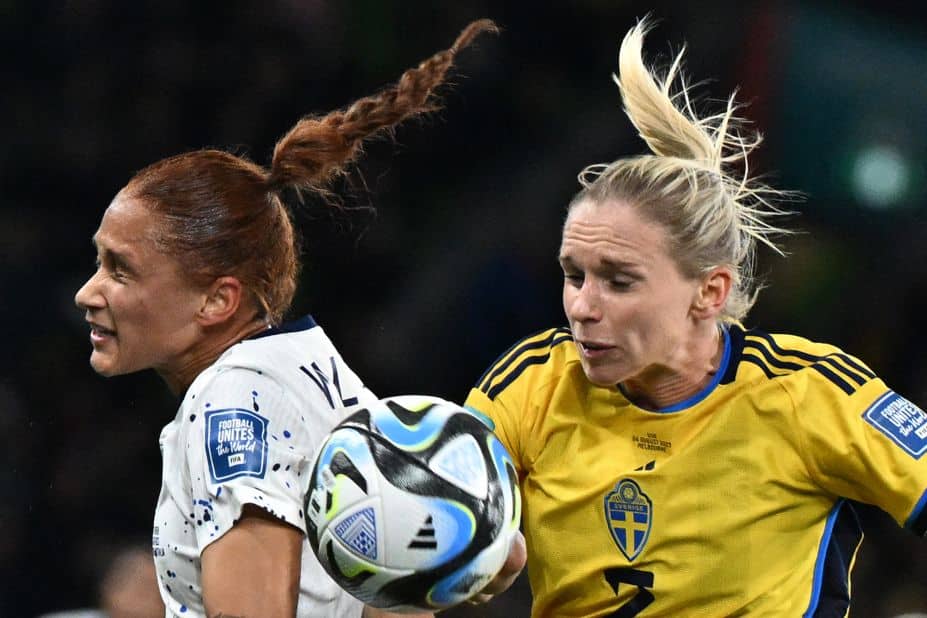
{"x": 222, "y": 214}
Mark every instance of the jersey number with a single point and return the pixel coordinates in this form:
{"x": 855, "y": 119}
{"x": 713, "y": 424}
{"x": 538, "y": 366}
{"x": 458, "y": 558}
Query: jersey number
{"x": 642, "y": 579}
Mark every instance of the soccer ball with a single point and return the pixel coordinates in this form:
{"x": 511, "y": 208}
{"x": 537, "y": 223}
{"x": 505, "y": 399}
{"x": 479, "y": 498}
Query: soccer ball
{"x": 412, "y": 504}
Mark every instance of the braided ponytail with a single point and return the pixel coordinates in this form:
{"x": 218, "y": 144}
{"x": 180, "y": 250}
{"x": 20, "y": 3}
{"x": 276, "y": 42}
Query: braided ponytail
{"x": 222, "y": 214}
{"x": 317, "y": 149}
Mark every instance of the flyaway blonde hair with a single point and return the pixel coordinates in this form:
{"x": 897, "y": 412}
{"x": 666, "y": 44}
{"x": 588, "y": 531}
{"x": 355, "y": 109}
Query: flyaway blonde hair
{"x": 696, "y": 182}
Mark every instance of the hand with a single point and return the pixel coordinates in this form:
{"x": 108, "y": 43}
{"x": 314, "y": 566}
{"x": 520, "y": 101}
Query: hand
{"x": 513, "y": 566}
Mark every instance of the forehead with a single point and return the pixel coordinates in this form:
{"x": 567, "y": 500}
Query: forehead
{"x": 127, "y": 227}
{"x": 612, "y": 230}
{"x": 124, "y": 219}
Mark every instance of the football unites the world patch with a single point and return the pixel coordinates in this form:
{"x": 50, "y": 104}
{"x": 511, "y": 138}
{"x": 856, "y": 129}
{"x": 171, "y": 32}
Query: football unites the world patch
{"x": 629, "y": 514}
{"x": 236, "y": 444}
{"x": 902, "y": 421}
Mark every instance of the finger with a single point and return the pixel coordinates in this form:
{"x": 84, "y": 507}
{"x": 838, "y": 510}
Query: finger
{"x": 514, "y": 563}
{"x": 479, "y": 598}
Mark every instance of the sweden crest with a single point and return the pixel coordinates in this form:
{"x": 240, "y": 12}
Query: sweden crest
{"x": 628, "y": 513}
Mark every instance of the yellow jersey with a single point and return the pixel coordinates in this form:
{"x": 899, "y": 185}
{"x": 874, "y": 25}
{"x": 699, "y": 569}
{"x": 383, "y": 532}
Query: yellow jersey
{"x": 731, "y": 503}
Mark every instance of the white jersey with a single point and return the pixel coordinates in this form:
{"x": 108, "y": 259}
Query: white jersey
{"x": 245, "y": 433}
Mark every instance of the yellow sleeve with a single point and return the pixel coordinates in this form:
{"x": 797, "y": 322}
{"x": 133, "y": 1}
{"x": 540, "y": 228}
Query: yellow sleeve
{"x": 503, "y": 420}
{"x": 866, "y": 443}
{"x": 510, "y": 392}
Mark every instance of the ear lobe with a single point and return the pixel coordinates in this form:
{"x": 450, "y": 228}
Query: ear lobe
{"x": 221, "y": 301}
{"x": 711, "y": 296}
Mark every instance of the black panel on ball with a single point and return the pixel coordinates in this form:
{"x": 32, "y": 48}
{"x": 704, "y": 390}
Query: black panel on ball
{"x": 408, "y": 417}
{"x": 409, "y": 472}
{"x": 350, "y": 583}
{"x": 342, "y": 465}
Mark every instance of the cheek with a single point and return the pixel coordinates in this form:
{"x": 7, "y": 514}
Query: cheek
{"x": 144, "y": 318}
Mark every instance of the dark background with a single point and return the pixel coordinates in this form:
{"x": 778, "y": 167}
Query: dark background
{"x": 459, "y": 260}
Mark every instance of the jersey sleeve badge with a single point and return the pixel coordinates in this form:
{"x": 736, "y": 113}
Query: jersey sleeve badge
{"x": 629, "y": 514}
{"x": 236, "y": 444}
{"x": 901, "y": 421}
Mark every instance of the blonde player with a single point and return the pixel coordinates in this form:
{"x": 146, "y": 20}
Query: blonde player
{"x": 672, "y": 462}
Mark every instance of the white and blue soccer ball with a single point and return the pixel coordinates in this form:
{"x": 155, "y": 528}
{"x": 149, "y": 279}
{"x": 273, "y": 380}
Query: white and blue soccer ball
{"x": 413, "y": 504}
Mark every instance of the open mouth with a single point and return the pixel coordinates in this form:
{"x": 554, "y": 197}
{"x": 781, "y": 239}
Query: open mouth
{"x": 98, "y": 331}
{"x": 593, "y": 347}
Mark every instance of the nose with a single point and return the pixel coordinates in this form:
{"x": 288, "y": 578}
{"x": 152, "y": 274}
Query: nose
{"x": 583, "y": 303}
{"x": 89, "y": 296}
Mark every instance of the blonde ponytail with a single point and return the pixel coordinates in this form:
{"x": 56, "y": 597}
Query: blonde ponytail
{"x": 689, "y": 183}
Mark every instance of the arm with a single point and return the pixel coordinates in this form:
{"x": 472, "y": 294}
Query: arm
{"x": 373, "y": 612}
{"x": 253, "y": 570}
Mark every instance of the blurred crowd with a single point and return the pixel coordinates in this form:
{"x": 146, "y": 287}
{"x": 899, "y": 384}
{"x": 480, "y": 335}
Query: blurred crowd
{"x": 444, "y": 252}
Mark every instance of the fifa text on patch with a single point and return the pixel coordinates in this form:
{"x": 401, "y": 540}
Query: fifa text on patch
{"x": 236, "y": 444}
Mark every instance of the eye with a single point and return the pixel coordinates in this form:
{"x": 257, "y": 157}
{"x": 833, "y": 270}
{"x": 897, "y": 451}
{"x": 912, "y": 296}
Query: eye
{"x": 112, "y": 268}
{"x": 573, "y": 277}
{"x": 621, "y": 284}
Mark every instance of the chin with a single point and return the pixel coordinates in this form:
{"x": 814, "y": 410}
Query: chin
{"x": 103, "y": 367}
{"x": 603, "y": 378}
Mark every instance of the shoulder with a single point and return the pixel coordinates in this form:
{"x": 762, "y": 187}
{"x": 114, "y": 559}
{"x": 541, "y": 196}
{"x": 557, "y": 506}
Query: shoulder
{"x": 280, "y": 346}
{"x": 538, "y": 358}
{"x": 795, "y": 362}
{"x": 282, "y": 356}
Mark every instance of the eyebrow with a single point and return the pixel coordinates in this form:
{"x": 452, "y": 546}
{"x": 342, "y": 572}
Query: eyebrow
{"x": 607, "y": 263}
{"x": 120, "y": 259}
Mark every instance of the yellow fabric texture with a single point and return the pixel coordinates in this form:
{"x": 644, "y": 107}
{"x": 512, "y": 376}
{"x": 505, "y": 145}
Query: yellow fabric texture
{"x": 725, "y": 507}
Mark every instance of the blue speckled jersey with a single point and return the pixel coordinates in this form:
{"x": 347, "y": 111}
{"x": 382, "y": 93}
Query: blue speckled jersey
{"x": 245, "y": 433}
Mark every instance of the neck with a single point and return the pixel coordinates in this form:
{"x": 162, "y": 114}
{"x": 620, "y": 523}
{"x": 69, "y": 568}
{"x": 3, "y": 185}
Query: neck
{"x": 666, "y": 385}
{"x": 214, "y": 342}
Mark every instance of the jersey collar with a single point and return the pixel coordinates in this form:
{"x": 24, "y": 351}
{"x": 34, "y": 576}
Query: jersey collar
{"x": 702, "y": 394}
{"x": 303, "y": 323}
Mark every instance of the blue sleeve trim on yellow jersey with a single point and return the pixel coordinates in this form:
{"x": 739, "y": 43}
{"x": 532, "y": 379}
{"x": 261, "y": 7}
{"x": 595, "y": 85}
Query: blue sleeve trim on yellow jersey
{"x": 830, "y": 592}
{"x": 917, "y": 521}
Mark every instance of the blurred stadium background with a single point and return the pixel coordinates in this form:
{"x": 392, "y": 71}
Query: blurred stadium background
{"x": 458, "y": 261}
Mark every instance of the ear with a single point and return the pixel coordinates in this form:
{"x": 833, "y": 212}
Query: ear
{"x": 711, "y": 295}
{"x": 221, "y": 301}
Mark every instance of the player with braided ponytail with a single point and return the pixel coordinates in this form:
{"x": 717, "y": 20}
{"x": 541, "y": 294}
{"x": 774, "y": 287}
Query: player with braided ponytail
{"x": 315, "y": 148}
{"x": 197, "y": 265}
{"x": 673, "y": 462}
